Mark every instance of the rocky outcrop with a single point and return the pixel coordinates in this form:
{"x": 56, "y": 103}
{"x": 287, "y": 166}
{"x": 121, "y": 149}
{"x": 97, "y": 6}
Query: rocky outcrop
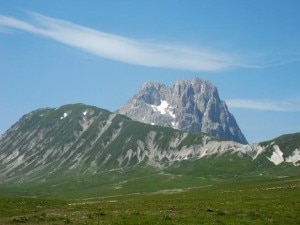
{"x": 192, "y": 106}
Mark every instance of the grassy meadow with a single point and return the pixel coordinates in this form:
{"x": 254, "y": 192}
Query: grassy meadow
{"x": 249, "y": 201}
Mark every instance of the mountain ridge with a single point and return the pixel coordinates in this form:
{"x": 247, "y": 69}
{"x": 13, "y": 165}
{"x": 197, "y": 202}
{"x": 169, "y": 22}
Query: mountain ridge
{"x": 80, "y": 140}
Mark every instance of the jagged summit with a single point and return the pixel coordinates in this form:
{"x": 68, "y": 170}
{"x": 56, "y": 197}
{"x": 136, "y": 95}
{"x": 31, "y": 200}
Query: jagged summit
{"x": 189, "y": 105}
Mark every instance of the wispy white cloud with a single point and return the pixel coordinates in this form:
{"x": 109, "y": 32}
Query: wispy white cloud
{"x": 280, "y": 106}
{"x": 124, "y": 49}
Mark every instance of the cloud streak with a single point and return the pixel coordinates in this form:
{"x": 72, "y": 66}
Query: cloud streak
{"x": 124, "y": 49}
{"x": 279, "y": 106}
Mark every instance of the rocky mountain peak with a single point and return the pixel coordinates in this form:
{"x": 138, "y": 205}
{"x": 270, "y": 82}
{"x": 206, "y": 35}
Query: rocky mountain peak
{"x": 189, "y": 105}
{"x": 152, "y": 92}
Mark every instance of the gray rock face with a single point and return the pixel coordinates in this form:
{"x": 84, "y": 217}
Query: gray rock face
{"x": 188, "y": 105}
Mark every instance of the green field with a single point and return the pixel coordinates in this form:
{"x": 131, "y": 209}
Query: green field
{"x": 248, "y": 201}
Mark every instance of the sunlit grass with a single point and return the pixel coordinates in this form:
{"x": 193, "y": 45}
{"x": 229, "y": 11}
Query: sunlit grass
{"x": 272, "y": 201}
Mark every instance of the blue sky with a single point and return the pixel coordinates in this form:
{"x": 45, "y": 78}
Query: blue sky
{"x": 101, "y": 52}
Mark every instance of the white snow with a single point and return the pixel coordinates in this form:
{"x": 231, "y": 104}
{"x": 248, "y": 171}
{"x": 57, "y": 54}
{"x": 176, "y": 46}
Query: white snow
{"x": 64, "y": 116}
{"x": 85, "y": 112}
{"x": 152, "y": 123}
{"x": 277, "y": 156}
{"x": 164, "y": 108}
{"x": 294, "y": 158}
{"x": 175, "y": 124}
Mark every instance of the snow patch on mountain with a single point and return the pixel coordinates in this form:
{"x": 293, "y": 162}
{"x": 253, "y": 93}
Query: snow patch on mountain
{"x": 163, "y": 108}
{"x": 294, "y": 158}
{"x": 64, "y": 116}
{"x": 277, "y": 156}
{"x": 175, "y": 124}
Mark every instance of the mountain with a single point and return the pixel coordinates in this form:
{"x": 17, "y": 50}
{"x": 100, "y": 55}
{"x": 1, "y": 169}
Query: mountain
{"x": 79, "y": 141}
{"x": 192, "y": 106}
